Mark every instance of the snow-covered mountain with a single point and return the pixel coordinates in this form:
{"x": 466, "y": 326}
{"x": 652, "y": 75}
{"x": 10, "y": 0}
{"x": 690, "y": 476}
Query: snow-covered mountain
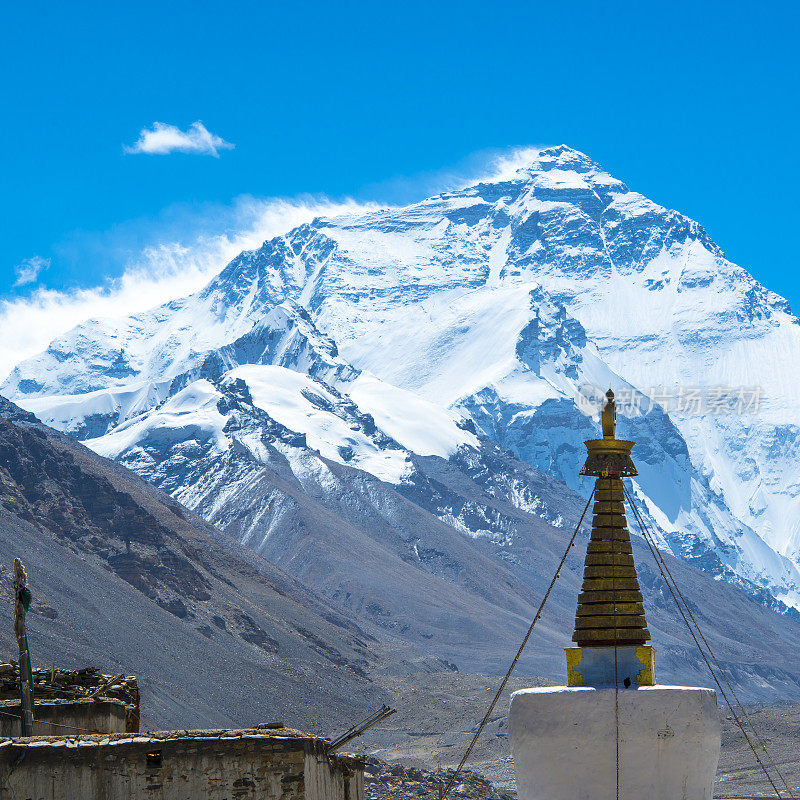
{"x": 479, "y": 315}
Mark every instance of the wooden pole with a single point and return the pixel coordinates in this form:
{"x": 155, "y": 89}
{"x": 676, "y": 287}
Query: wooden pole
{"x": 20, "y": 584}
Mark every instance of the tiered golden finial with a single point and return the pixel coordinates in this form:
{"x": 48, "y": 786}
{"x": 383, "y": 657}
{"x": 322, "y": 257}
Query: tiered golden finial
{"x": 610, "y": 610}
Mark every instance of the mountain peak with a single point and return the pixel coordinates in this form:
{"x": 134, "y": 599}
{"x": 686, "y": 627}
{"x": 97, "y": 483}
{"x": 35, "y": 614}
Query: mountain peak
{"x": 564, "y": 157}
{"x": 529, "y": 163}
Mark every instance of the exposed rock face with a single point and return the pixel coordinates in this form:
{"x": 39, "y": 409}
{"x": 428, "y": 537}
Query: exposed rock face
{"x": 47, "y": 487}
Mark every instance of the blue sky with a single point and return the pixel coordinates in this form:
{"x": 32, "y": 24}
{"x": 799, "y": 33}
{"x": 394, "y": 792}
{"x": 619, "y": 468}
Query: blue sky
{"x": 693, "y": 104}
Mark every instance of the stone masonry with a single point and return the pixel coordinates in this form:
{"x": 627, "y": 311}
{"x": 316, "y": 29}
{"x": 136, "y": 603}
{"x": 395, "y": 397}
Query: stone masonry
{"x": 251, "y": 764}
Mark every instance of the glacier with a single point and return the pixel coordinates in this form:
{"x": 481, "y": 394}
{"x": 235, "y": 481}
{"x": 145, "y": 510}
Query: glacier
{"x": 474, "y": 318}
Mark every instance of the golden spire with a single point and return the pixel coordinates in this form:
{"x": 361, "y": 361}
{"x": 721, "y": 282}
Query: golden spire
{"x": 610, "y": 609}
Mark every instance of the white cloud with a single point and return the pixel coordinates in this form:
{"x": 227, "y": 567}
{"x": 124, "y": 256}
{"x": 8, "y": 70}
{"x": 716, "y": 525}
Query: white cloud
{"x": 167, "y": 269}
{"x": 163, "y": 139}
{"x": 28, "y": 271}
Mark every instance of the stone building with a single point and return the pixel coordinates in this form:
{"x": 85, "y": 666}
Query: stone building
{"x": 87, "y": 746}
{"x": 262, "y": 763}
{"x": 70, "y": 701}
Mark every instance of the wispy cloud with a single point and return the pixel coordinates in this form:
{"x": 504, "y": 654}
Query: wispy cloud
{"x": 163, "y": 139}
{"x": 489, "y": 165}
{"x": 507, "y": 163}
{"x": 161, "y": 259}
{"x": 28, "y": 271}
{"x": 171, "y": 266}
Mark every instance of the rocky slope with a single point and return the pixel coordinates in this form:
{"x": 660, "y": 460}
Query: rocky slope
{"x": 126, "y": 579}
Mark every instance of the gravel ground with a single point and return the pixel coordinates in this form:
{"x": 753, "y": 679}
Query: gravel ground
{"x": 739, "y": 774}
{"x": 384, "y": 781}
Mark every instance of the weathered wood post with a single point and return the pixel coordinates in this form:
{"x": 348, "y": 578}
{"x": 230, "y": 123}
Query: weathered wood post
{"x": 22, "y": 598}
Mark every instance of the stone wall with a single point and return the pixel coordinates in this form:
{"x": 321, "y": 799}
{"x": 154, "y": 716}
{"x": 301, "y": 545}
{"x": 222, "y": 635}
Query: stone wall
{"x": 253, "y": 764}
{"x": 67, "y": 717}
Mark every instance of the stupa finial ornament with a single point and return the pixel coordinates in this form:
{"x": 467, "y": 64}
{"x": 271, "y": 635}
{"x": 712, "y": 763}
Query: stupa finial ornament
{"x": 610, "y": 610}
{"x": 609, "y": 456}
{"x": 608, "y": 416}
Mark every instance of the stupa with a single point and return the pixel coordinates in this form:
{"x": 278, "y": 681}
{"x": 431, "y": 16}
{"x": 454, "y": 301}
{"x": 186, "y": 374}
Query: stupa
{"x": 612, "y": 732}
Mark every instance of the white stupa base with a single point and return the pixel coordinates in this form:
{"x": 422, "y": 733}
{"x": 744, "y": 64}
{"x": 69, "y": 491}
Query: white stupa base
{"x": 564, "y": 743}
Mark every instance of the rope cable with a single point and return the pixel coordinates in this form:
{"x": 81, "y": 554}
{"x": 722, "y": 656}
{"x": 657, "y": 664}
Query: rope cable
{"x": 654, "y": 552}
{"x": 739, "y": 705}
{"x": 664, "y": 570}
{"x": 616, "y": 705}
{"x": 505, "y": 680}
{"x": 744, "y": 714}
{"x": 46, "y": 722}
{"x": 616, "y": 646}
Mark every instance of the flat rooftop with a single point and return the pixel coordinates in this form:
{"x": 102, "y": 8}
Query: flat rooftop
{"x": 266, "y": 732}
